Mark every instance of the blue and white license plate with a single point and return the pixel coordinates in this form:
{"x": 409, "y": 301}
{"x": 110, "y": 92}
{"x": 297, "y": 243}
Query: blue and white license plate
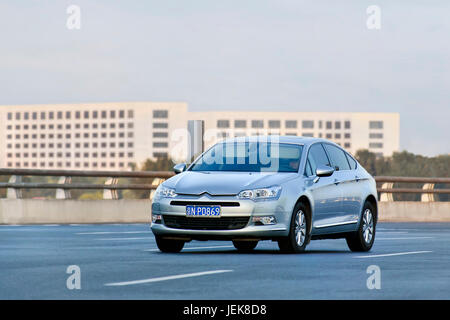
{"x": 203, "y": 211}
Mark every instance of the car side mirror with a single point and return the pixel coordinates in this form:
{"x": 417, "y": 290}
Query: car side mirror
{"x": 324, "y": 171}
{"x": 179, "y": 168}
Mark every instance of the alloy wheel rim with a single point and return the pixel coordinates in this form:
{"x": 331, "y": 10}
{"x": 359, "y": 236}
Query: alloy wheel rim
{"x": 367, "y": 229}
{"x": 300, "y": 228}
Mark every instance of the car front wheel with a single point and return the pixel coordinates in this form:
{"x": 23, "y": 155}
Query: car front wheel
{"x": 298, "y": 233}
{"x": 362, "y": 239}
{"x": 169, "y": 245}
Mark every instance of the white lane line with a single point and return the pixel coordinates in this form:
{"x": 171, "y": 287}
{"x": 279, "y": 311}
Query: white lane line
{"x": 113, "y": 232}
{"x": 179, "y": 276}
{"x": 407, "y": 238}
{"x": 391, "y": 232}
{"x": 119, "y": 239}
{"x": 392, "y": 254}
{"x": 195, "y": 248}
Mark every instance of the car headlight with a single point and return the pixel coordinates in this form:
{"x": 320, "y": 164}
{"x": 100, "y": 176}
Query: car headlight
{"x": 261, "y": 193}
{"x": 165, "y": 192}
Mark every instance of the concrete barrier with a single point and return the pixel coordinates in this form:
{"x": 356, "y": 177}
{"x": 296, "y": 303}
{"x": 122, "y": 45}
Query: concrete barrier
{"x": 33, "y": 211}
{"x": 414, "y": 211}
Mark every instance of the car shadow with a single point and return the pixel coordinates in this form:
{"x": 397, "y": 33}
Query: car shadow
{"x": 258, "y": 252}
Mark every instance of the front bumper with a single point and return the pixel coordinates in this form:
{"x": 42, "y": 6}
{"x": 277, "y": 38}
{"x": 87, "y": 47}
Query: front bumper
{"x": 246, "y": 208}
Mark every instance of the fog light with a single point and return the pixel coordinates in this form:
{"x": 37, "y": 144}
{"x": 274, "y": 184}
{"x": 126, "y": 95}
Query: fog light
{"x": 264, "y": 220}
{"x": 156, "y": 218}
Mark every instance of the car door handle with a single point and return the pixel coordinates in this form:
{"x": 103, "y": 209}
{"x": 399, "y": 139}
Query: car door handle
{"x": 336, "y": 181}
{"x": 357, "y": 178}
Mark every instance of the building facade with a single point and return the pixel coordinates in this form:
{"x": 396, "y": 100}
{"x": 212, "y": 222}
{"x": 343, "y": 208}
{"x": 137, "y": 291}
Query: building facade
{"x": 119, "y": 136}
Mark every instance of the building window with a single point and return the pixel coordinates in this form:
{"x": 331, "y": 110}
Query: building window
{"x": 9, "y": 115}
{"x": 160, "y": 144}
{"x": 103, "y": 114}
{"x": 160, "y": 154}
{"x": 337, "y": 135}
{"x": 130, "y": 114}
{"x": 308, "y": 134}
{"x": 112, "y": 114}
{"x": 346, "y": 145}
{"x": 328, "y": 136}
{"x": 51, "y": 115}
{"x": 337, "y": 124}
{"x": 347, "y": 124}
{"x": 158, "y": 125}
{"x": 160, "y": 134}
{"x": 307, "y": 124}
{"x": 274, "y": 124}
{"x": 291, "y": 124}
{"x": 375, "y": 135}
{"x": 26, "y": 115}
{"x": 223, "y": 123}
{"x": 376, "y": 124}
{"x": 257, "y": 123}
{"x": 160, "y": 114}
{"x": 240, "y": 123}
{"x": 375, "y": 145}
{"x": 347, "y": 136}
{"x": 18, "y": 116}
{"x": 329, "y": 125}
{"x": 121, "y": 114}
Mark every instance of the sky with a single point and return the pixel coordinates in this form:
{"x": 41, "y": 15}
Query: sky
{"x": 237, "y": 55}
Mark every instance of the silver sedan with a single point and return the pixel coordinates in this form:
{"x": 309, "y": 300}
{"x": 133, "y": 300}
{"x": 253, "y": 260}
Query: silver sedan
{"x": 285, "y": 189}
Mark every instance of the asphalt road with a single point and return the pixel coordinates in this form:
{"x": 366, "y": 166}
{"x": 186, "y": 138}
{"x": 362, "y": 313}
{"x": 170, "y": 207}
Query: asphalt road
{"x": 123, "y": 262}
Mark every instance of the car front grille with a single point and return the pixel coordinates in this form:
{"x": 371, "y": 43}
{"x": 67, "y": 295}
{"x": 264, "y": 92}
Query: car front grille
{"x": 197, "y": 223}
{"x": 204, "y": 203}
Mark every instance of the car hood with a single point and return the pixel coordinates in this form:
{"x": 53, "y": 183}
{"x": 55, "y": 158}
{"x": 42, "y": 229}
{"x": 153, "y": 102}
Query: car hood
{"x": 225, "y": 183}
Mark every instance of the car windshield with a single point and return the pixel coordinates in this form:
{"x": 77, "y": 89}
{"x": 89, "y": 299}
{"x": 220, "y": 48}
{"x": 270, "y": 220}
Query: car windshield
{"x": 250, "y": 157}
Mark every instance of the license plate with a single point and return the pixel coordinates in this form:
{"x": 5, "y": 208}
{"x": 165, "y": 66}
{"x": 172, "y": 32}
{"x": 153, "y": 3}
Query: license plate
{"x": 203, "y": 211}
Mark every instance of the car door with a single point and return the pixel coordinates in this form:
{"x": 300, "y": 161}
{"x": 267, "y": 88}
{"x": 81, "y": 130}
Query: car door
{"x": 345, "y": 179}
{"x": 325, "y": 193}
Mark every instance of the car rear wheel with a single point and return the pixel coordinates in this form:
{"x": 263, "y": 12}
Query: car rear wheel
{"x": 362, "y": 240}
{"x": 245, "y": 246}
{"x": 299, "y": 231}
{"x": 169, "y": 245}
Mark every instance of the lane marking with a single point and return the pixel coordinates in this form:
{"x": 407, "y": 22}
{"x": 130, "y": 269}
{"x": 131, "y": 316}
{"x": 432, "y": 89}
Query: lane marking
{"x": 113, "y": 232}
{"x": 391, "y": 232}
{"x": 179, "y": 276}
{"x": 113, "y": 239}
{"x": 392, "y": 254}
{"x": 405, "y": 238}
{"x": 195, "y": 248}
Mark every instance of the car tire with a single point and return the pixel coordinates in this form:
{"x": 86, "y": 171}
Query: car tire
{"x": 299, "y": 236}
{"x": 245, "y": 246}
{"x": 362, "y": 239}
{"x": 169, "y": 245}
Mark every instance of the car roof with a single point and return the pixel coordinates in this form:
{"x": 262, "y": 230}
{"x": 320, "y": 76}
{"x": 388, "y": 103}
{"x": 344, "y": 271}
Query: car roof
{"x": 277, "y": 139}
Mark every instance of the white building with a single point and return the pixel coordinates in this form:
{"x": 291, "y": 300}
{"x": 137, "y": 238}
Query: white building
{"x": 116, "y": 136}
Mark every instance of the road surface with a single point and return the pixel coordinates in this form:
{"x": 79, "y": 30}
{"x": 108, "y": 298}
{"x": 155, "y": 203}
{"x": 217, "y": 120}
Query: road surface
{"x": 123, "y": 262}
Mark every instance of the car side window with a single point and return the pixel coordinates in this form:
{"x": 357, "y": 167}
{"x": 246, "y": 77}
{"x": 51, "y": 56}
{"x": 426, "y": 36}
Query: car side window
{"x": 351, "y": 161}
{"x": 338, "y": 157}
{"x": 317, "y": 157}
{"x": 308, "y": 170}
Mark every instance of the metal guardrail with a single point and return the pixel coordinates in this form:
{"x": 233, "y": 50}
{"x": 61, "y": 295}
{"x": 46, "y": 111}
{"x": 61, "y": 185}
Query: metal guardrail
{"x": 15, "y": 185}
